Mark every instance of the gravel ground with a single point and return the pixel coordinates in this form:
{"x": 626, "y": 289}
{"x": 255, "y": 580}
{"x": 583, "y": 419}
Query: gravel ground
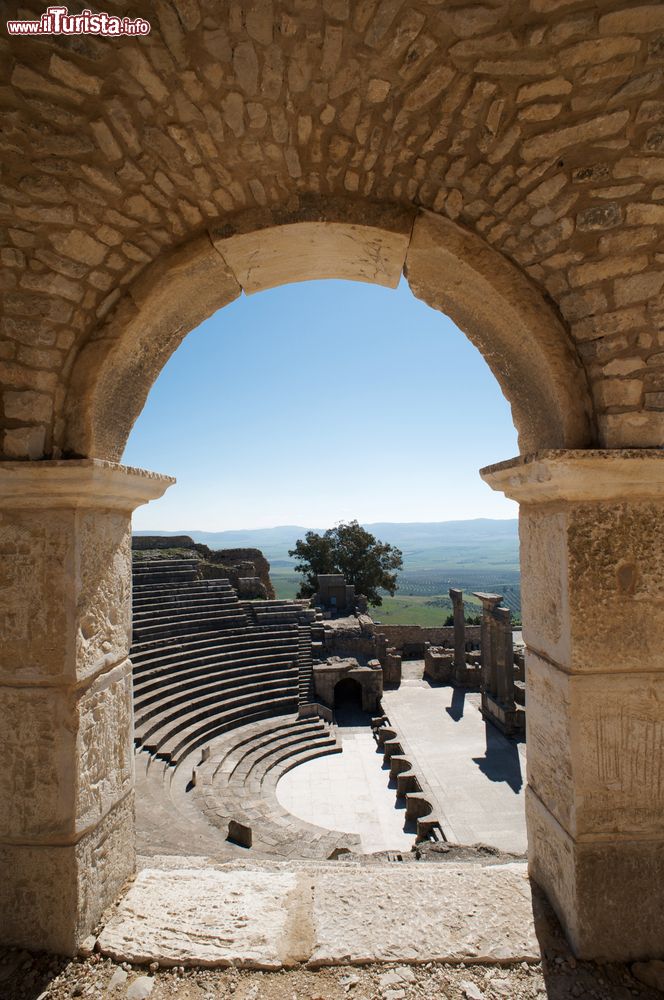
{"x": 24, "y": 976}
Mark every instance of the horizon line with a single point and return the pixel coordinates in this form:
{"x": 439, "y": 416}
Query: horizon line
{"x": 302, "y": 527}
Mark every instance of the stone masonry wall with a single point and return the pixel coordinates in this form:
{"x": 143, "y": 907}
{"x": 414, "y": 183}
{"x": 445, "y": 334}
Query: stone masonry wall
{"x": 402, "y": 636}
{"x": 537, "y": 124}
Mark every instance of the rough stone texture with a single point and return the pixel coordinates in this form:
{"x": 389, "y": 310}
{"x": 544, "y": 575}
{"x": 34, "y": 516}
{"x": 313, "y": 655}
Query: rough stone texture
{"x": 325, "y": 915}
{"x": 535, "y": 125}
{"x": 371, "y": 251}
{"x": 54, "y": 894}
{"x": 48, "y": 729}
{"x": 592, "y": 561}
{"x": 204, "y": 917}
{"x": 66, "y": 795}
{"x": 500, "y": 311}
{"x": 526, "y": 138}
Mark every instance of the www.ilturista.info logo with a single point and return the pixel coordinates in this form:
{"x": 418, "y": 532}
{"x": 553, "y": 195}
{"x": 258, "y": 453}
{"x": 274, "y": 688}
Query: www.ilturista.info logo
{"x": 58, "y": 21}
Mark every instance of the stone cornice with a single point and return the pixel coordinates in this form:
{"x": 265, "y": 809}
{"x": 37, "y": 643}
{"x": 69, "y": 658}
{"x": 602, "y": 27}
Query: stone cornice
{"x": 593, "y": 475}
{"x": 82, "y": 483}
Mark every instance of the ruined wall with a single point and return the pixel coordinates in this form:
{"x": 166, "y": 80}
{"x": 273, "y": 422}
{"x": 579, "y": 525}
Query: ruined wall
{"x": 234, "y": 562}
{"x": 141, "y": 543}
{"x": 230, "y": 563}
{"x": 411, "y": 638}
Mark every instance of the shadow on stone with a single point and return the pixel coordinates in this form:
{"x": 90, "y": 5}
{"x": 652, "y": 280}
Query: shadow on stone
{"x": 501, "y": 761}
{"x": 455, "y": 710}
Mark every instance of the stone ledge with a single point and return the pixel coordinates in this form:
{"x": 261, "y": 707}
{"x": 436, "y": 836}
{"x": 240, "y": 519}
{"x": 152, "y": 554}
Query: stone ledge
{"x": 580, "y": 476}
{"x": 78, "y": 483}
{"x": 280, "y": 914}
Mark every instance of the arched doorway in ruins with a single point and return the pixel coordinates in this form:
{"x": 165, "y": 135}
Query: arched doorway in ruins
{"x": 560, "y": 481}
{"x": 147, "y": 180}
{"x": 528, "y": 350}
{"x": 348, "y": 695}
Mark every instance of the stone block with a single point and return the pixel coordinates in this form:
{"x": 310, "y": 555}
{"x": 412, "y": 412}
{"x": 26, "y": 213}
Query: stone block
{"x": 67, "y": 756}
{"x": 631, "y": 430}
{"x": 594, "y": 886}
{"x": 619, "y": 392}
{"x": 545, "y": 602}
{"x": 595, "y": 743}
{"x": 65, "y": 580}
{"x": 240, "y": 833}
{"x": 56, "y": 894}
{"x": 263, "y": 252}
{"x": 595, "y": 595}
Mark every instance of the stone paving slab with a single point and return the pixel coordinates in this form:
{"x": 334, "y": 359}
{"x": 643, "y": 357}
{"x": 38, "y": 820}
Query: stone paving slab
{"x": 477, "y": 777}
{"x": 450, "y": 913}
{"x": 278, "y": 915}
{"x": 204, "y": 917}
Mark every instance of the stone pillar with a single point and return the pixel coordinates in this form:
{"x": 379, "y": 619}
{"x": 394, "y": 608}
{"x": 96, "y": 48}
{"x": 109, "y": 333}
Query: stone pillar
{"x": 66, "y": 783}
{"x": 504, "y": 657}
{"x": 459, "y": 635}
{"x": 497, "y": 659}
{"x": 487, "y": 641}
{"x": 592, "y": 565}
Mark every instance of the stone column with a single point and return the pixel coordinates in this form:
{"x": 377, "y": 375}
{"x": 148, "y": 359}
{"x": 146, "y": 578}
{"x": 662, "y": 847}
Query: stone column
{"x": 487, "y": 641}
{"x": 592, "y": 565}
{"x": 504, "y": 656}
{"x": 459, "y": 634}
{"x": 66, "y": 782}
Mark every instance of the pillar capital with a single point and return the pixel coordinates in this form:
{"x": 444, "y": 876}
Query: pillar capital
{"x": 82, "y": 484}
{"x": 580, "y": 476}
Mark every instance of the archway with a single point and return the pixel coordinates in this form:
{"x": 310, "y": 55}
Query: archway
{"x": 529, "y": 350}
{"x": 501, "y": 311}
{"x": 348, "y": 695}
{"x": 563, "y": 493}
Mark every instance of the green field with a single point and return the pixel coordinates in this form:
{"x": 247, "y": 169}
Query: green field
{"x": 423, "y": 599}
{"x": 477, "y": 555}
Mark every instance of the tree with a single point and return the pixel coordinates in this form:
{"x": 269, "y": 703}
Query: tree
{"x": 366, "y": 563}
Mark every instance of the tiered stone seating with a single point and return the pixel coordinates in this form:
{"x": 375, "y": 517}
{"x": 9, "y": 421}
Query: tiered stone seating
{"x": 164, "y": 571}
{"x": 168, "y": 821}
{"x": 275, "y": 612}
{"x": 237, "y": 783}
{"x": 202, "y": 665}
{"x": 227, "y": 676}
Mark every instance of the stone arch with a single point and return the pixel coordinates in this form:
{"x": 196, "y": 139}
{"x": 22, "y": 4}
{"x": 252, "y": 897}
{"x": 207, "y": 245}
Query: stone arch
{"x": 500, "y": 309}
{"x": 348, "y": 691}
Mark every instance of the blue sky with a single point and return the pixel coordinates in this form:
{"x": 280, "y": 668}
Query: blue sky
{"x": 319, "y": 402}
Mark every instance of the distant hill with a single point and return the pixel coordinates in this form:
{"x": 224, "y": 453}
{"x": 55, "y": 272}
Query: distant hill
{"x": 476, "y": 555}
{"x": 483, "y": 543}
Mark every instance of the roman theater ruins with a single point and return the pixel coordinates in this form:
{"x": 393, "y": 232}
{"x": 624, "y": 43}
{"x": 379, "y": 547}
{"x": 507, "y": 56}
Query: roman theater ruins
{"x": 506, "y": 157}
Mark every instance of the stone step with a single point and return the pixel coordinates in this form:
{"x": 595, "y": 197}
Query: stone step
{"x": 184, "y": 599}
{"x": 166, "y": 824}
{"x": 240, "y": 761}
{"x": 211, "y": 689}
{"x": 157, "y": 668}
{"x": 188, "y": 626}
{"x": 208, "y": 698}
{"x": 166, "y": 739}
{"x": 147, "y": 692}
{"x": 247, "y": 736}
{"x": 200, "y": 611}
{"x": 326, "y": 914}
{"x": 149, "y": 591}
{"x": 202, "y": 734}
{"x": 202, "y": 640}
